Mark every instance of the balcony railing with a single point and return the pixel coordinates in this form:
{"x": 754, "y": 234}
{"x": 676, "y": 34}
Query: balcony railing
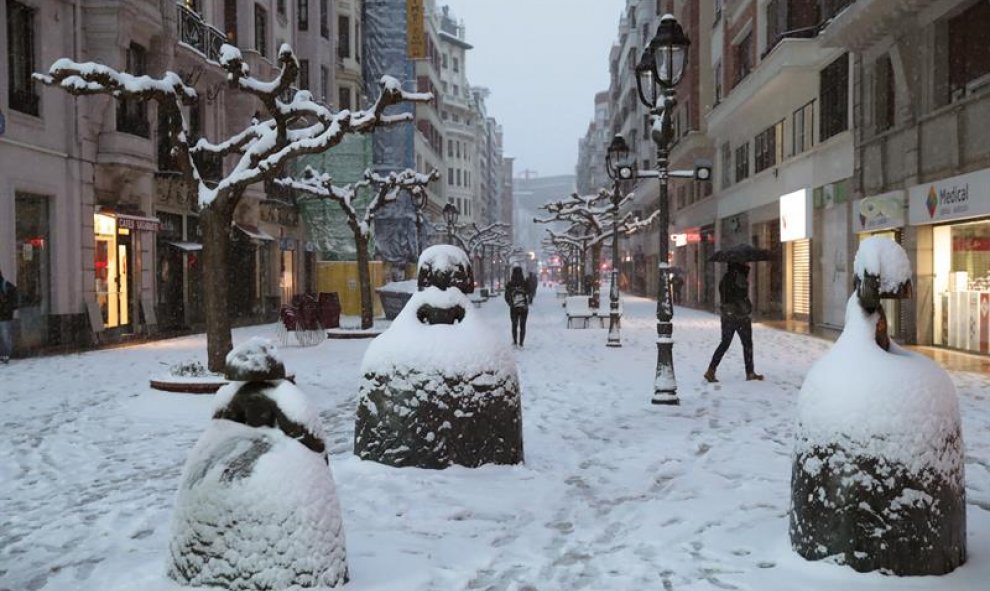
{"x": 195, "y": 33}
{"x": 802, "y": 33}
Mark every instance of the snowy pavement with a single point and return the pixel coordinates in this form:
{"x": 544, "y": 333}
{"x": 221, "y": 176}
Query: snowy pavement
{"x": 615, "y": 494}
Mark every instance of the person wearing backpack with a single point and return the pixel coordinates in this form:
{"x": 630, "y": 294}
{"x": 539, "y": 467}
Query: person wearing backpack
{"x": 8, "y": 303}
{"x": 518, "y": 298}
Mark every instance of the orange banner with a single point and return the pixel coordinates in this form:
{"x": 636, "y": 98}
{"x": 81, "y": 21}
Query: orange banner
{"x": 416, "y": 29}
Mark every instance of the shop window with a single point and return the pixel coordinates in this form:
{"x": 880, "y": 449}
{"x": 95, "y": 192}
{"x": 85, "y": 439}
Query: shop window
{"x": 962, "y": 286}
{"x": 132, "y": 113}
{"x": 302, "y": 15}
{"x": 31, "y": 216}
{"x": 21, "y": 93}
{"x": 969, "y": 52}
{"x": 261, "y": 30}
{"x": 883, "y": 92}
{"x": 343, "y": 37}
{"x": 742, "y": 162}
{"x": 834, "y": 98}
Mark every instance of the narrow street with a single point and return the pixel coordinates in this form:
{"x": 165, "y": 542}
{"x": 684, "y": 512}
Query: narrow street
{"x": 615, "y": 493}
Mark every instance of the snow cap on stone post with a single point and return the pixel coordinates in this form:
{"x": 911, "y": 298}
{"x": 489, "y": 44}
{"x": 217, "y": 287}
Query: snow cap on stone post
{"x": 445, "y": 266}
{"x": 256, "y": 360}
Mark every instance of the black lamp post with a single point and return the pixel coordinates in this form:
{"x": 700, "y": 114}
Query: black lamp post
{"x": 658, "y": 72}
{"x": 418, "y": 198}
{"x": 617, "y": 169}
{"x": 450, "y": 214}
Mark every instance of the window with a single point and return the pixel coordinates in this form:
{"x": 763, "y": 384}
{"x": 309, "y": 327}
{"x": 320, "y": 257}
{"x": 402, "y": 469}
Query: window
{"x": 20, "y": 58}
{"x": 743, "y": 54}
{"x": 647, "y": 125}
{"x": 457, "y": 64}
{"x": 132, "y": 113}
{"x": 450, "y": 148}
{"x": 969, "y": 52}
{"x": 302, "y": 16}
{"x": 344, "y": 97}
{"x": 742, "y": 162}
{"x": 457, "y": 90}
{"x": 718, "y": 9}
{"x": 458, "y": 177}
{"x": 230, "y": 20}
{"x": 445, "y": 61}
{"x": 450, "y": 176}
{"x": 726, "y": 165}
{"x": 659, "y": 8}
{"x": 304, "y": 74}
{"x": 768, "y": 147}
{"x": 883, "y": 93}
{"x": 261, "y": 30}
{"x": 343, "y": 36}
{"x": 717, "y": 70}
{"x": 324, "y": 20}
{"x": 324, "y": 83}
{"x": 457, "y": 150}
{"x": 803, "y": 127}
{"x": 834, "y": 97}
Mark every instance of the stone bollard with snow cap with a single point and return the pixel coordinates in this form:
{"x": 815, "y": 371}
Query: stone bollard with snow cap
{"x": 439, "y": 388}
{"x": 878, "y": 477}
{"x": 257, "y": 508}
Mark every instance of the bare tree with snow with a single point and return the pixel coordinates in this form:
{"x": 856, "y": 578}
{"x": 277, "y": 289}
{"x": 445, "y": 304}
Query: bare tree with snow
{"x": 294, "y": 127}
{"x": 387, "y": 188}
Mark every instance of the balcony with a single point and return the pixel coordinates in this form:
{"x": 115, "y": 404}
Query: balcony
{"x": 196, "y": 34}
{"x": 864, "y": 22}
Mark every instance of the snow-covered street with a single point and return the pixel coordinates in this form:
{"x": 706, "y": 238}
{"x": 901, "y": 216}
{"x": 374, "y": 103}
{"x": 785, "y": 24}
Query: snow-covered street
{"x": 615, "y": 494}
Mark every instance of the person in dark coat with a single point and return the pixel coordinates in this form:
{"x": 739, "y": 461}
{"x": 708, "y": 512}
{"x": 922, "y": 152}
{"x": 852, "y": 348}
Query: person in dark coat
{"x": 518, "y": 298}
{"x": 533, "y": 284}
{"x": 8, "y": 303}
{"x": 736, "y": 317}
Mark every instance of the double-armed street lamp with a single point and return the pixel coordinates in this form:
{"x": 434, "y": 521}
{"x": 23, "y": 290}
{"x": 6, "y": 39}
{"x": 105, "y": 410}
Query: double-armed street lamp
{"x": 618, "y": 170}
{"x": 450, "y": 214}
{"x": 658, "y": 72}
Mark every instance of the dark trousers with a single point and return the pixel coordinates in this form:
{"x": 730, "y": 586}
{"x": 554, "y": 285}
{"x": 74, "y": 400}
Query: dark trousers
{"x": 730, "y": 326}
{"x": 518, "y": 316}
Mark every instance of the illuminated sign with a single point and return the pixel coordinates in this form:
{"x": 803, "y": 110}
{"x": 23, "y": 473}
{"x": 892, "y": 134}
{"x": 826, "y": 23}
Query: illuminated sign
{"x": 795, "y": 223}
{"x": 880, "y": 212}
{"x": 955, "y": 198}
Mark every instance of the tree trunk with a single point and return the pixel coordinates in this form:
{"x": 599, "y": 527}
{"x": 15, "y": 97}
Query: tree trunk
{"x": 596, "y": 271}
{"x": 216, "y": 250}
{"x": 364, "y": 280}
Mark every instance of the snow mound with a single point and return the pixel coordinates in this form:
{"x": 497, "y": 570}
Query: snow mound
{"x": 462, "y": 349}
{"x": 885, "y": 258}
{"x": 256, "y": 511}
{"x": 407, "y": 286}
{"x": 443, "y": 257}
{"x": 256, "y": 359}
{"x": 893, "y": 404}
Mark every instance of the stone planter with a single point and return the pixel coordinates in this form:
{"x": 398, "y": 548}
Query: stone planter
{"x": 394, "y": 296}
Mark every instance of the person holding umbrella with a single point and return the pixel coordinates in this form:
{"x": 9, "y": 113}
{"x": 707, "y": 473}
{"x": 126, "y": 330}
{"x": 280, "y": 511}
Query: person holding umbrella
{"x": 737, "y": 309}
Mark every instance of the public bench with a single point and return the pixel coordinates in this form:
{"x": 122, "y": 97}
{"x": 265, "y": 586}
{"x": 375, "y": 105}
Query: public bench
{"x": 579, "y": 313}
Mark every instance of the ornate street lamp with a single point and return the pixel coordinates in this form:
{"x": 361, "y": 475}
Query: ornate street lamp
{"x": 618, "y": 170}
{"x": 450, "y": 214}
{"x": 418, "y": 199}
{"x": 659, "y": 70}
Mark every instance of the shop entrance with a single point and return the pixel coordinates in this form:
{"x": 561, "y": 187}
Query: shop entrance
{"x": 112, "y": 266}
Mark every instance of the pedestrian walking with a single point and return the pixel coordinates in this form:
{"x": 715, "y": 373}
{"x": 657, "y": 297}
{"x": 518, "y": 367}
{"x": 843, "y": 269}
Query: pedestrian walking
{"x": 518, "y": 298}
{"x": 8, "y": 303}
{"x": 533, "y": 284}
{"x": 736, "y": 318}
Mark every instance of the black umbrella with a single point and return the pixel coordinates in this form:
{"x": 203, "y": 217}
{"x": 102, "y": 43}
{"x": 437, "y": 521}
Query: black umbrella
{"x": 741, "y": 253}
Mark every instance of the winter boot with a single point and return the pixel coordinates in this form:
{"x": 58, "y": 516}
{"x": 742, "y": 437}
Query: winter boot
{"x": 710, "y": 375}
{"x": 754, "y": 376}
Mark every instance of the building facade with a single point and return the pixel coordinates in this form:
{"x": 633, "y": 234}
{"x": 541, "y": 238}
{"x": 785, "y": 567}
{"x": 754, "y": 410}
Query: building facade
{"x": 97, "y": 231}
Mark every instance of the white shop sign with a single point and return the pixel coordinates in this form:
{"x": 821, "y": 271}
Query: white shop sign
{"x": 879, "y": 212}
{"x": 795, "y": 215}
{"x": 955, "y": 198}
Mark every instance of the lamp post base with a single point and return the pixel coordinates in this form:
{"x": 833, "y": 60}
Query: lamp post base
{"x": 665, "y": 398}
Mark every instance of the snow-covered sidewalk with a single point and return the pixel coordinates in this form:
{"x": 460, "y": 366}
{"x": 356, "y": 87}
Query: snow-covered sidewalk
{"x": 615, "y": 494}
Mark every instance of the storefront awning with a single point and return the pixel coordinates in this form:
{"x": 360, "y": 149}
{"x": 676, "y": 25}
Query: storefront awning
{"x": 187, "y": 246}
{"x": 255, "y": 232}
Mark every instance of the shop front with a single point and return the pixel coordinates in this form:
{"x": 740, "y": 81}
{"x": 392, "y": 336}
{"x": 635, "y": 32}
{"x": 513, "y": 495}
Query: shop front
{"x": 179, "y": 285}
{"x": 957, "y": 212}
{"x": 117, "y": 266}
{"x": 884, "y": 216}
{"x": 795, "y": 234}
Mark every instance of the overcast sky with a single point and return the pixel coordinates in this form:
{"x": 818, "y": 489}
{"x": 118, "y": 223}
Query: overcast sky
{"x": 543, "y": 60}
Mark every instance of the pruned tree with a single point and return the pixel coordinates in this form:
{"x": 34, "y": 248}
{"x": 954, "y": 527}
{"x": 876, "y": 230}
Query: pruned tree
{"x": 386, "y": 189}
{"x": 592, "y": 220}
{"x": 294, "y": 127}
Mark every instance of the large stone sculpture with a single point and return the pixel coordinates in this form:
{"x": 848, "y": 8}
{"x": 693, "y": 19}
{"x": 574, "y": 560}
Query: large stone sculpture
{"x": 257, "y": 508}
{"x": 439, "y": 388}
{"x": 878, "y": 477}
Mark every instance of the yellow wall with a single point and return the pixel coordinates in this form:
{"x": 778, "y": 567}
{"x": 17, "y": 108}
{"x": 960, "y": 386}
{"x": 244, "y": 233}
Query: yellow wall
{"x": 342, "y": 277}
